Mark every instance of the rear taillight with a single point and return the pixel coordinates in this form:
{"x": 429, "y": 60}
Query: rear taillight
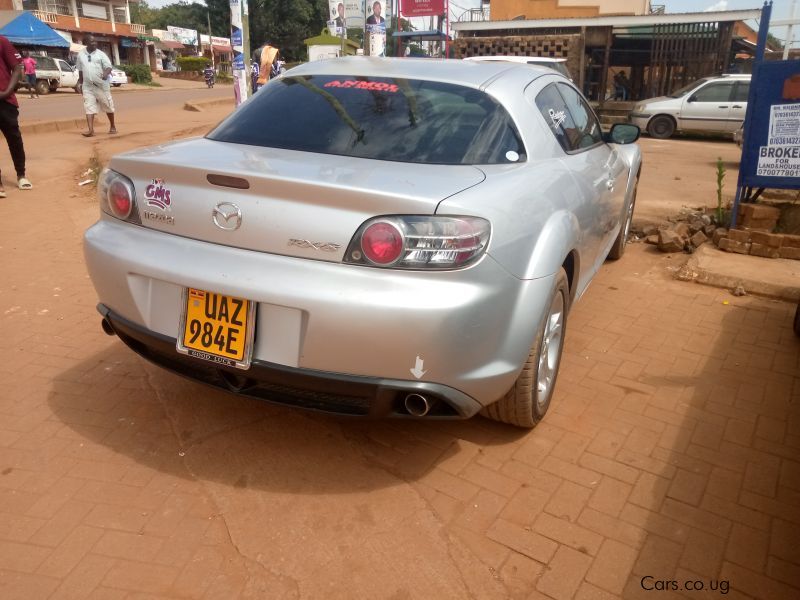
{"x": 382, "y": 243}
{"x": 117, "y": 196}
{"x": 119, "y": 199}
{"x": 419, "y": 242}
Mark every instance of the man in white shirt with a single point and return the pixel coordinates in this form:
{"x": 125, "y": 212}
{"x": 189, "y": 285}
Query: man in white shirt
{"x": 94, "y": 70}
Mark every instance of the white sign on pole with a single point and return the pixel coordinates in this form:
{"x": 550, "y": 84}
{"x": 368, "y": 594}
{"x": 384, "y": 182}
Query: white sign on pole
{"x": 237, "y": 43}
{"x": 781, "y": 156}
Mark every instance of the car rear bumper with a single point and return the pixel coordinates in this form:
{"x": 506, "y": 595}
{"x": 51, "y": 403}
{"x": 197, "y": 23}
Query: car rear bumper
{"x": 469, "y": 331}
{"x": 314, "y": 390}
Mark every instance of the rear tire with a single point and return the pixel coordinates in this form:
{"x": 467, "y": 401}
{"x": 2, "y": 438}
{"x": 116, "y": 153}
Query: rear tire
{"x": 42, "y": 87}
{"x": 661, "y": 127}
{"x": 618, "y": 249}
{"x": 526, "y": 403}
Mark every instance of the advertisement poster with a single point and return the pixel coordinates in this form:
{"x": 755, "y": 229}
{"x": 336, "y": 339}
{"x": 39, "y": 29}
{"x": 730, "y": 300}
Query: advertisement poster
{"x": 187, "y": 37}
{"x": 422, "y": 8}
{"x": 377, "y": 44}
{"x": 781, "y": 156}
{"x": 237, "y": 64}
{"x": 376, "y": 20}
{"x": 354, "y": 10}
{"x": 337, "y": 23}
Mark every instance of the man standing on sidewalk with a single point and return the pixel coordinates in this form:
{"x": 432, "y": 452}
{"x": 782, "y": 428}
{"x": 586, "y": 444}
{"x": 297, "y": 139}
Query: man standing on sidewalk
{"x": 10, "y": 72}
{"x": 94, "y": 70}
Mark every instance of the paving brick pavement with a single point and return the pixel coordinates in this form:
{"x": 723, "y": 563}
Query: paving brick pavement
{"x": 670, "y": 454}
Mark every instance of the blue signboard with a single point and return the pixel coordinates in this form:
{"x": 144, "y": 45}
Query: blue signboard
{"x": 771, "y": 155}
{"x": 238, "y": 61}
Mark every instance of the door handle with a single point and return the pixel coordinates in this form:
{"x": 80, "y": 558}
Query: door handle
{"x": 737, "y": 106}
{"x": 722, "y": 107}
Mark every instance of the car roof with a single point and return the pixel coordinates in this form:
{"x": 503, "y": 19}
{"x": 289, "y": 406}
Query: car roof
{"x": 460, "y": 72}
{"x": 517, "y": 59}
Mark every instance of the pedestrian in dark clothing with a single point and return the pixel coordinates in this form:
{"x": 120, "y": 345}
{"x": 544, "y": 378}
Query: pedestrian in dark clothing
{"x": 10, "y": 74}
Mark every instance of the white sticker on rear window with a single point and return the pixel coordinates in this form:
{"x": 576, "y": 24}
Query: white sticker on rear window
{"x": 557, "y": 117}
{"x": 512, "y": 156}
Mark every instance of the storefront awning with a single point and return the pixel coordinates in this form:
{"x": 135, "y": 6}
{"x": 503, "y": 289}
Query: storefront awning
{"x": 219, "y": 49}
{"x": 22, "y": 28}
{"x": 170, "y": 45}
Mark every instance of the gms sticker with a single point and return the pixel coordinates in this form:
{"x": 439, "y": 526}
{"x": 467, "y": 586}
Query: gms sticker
{"x": 157, "y": 194}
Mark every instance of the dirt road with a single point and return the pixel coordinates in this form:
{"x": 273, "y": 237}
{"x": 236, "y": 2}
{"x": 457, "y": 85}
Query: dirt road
{"x": 670, "y": 453}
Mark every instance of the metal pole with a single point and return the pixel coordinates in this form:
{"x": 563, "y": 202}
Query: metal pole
{"x": 213, "y": 65}
{"x": 788, "y": 43}
{"x": 748, "y": 147}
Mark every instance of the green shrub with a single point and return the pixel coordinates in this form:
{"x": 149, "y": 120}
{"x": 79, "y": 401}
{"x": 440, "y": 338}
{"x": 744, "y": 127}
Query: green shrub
{"x": 193, "y": 63}
{"x": 138, "y": 73}
{"x": 224, "y": 77}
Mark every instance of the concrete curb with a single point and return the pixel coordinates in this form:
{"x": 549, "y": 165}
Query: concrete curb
{"x": 695, "y": 270}
{"x": 73, "y": 124}
{"x": 51, "y": 126}
{"x": 199, "y": 105}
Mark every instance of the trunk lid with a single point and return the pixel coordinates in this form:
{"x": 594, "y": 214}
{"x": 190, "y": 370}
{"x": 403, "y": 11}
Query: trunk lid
{"x": 296, "y": 203}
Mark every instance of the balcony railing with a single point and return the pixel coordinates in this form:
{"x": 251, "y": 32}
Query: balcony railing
{"x": 475, "y": 14}
{"x": 45, "y": 17}
{"x": 137, "y": 28}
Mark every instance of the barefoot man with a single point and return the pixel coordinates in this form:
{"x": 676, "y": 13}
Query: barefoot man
{"x": 94, "y": 70}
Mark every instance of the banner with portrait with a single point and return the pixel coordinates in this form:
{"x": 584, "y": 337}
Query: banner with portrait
{"x": 337, "y": 18}
{"x": 376, "y": 16}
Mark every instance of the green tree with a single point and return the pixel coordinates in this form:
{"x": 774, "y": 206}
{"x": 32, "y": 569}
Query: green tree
{"x": 773, "y": 42}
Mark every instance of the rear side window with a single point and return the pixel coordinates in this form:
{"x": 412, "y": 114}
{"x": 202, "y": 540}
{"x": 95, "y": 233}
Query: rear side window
{"x": 587, "y": 131}
{"x": 554, "y": 110}
{"x": 742, "y": 91}
{"x": 381, "y": 118}
{"x": 569, "y": 118}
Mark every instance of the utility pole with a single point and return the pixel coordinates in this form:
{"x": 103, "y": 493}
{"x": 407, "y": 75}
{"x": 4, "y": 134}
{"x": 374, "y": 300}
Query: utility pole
{"x": 240, "y": 41}
{"x": 211, "y": 45}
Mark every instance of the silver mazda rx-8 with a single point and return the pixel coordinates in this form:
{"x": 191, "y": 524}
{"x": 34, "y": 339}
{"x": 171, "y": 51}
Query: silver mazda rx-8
{"x": 365, "y": 236}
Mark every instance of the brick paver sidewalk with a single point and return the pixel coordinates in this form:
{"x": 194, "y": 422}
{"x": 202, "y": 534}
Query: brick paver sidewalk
{"x": 670, "y": 456}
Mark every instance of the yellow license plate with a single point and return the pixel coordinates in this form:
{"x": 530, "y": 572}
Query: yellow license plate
{"x": 217, "y": 328}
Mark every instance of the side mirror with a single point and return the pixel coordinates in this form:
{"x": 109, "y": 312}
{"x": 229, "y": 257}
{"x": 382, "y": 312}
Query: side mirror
{"x": 623, "y": 133}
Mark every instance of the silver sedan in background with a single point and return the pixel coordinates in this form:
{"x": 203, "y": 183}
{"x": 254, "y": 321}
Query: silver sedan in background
{"x": 367, "y": 236}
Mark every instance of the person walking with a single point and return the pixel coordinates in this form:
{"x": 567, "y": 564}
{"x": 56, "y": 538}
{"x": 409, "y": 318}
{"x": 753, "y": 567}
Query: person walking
{"x": 10, "y": 73}
{"x": 254, "y": 74}
{"x": 29, "y": 68}
{"x": 94, "y": 70}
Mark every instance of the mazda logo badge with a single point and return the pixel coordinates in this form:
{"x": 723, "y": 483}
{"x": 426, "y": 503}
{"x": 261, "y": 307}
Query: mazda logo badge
{"x": 227, "y": 216}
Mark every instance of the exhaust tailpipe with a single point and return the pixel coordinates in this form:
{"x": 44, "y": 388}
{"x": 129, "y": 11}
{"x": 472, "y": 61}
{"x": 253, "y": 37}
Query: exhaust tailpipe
{"x": 107, "y": 328}
{"x": 417, "y": 405}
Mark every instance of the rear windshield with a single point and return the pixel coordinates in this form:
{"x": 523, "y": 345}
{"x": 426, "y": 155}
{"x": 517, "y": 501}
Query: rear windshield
{"x": 372, "y": 117}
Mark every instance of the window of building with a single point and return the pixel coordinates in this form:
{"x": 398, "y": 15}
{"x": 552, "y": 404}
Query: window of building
{"x": 60, "y": 7}
{"x": 93, "y": 11}
{"x": 119, "y": 14}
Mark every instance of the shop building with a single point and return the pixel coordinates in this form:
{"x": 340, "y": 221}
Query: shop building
{"x": 108, "y": 20}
